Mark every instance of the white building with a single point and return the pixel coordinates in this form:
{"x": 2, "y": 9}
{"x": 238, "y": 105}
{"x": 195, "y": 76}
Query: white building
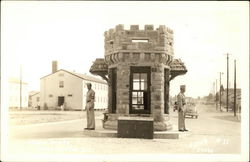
{"x": 34, "y": 99}
{"x": 17, "y": 89}
{"x": 67, "y": 90}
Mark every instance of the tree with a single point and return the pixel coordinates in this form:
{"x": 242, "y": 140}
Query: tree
{"x": 210, "y": 97}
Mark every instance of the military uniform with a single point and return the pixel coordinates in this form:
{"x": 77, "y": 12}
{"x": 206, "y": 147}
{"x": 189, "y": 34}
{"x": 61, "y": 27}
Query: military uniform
{"x": 90, "y": 99}
{"x": 181, "y": 111}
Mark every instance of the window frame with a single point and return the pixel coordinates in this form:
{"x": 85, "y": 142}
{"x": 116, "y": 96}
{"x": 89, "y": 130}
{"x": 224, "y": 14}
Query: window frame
{"x": 61, "y": 84}
{"x": 146, "y": 91}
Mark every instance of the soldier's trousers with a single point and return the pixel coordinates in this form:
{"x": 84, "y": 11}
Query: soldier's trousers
{"x": 181, "y": 120}
{"x": 90, "y": 117}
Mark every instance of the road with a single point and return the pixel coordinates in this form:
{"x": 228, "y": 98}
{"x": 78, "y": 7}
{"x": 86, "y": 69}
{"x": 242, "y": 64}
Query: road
{"x": 212, "y": 133}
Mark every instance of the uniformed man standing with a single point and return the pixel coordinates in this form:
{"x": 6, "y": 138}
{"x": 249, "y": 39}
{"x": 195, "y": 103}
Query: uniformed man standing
{"x": 181, "y": 111}
{"x": 90, "y": 99}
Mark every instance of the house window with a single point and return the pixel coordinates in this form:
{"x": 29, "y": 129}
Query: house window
{"x": 70, "y": 95}
{"x": 37, "y": 99}
{"x": 61, "y": 84}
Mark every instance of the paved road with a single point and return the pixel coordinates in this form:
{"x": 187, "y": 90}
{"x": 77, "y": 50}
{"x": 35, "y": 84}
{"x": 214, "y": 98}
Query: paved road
{"x": 212, "y": 133}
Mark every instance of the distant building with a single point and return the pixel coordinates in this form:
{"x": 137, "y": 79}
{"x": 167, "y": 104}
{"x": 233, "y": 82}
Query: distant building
{"x": 34, "y": 99}
{"x": 67, "y": 90}
{"x": 17, "y": 89}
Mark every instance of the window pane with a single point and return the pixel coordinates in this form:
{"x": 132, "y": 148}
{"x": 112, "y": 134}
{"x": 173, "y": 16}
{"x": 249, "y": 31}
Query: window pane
{"x": 134, "y": 100}
{"x": 136, "y": 86}
{"x": 134, "y": 94}
{"x": 135, "y": 107}
{"x": 140, "y": 94}
{"x": 143, "y": 85}
{"x": 141, "y": 107}
{"x": 140, "y": 100}
{"x": 138, "y": 107}
{"x": 136, "y": 76}
{"x": 144, "y": 77}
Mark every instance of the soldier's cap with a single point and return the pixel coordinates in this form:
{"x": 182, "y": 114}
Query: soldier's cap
{"x": 183, "y": 86}
{"x": 88, "y": 83}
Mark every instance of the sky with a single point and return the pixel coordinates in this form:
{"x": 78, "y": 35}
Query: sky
{"x": 35, "y": 33}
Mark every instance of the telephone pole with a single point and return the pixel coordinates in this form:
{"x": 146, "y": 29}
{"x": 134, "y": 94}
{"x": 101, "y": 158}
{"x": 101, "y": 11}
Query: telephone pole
{"x": 227, "y": 77}
{"x": 234, "y": 87}
{"x": 20, "y": 87}
{"x": 220, "y": 90}
{"x": 216, "y": 95}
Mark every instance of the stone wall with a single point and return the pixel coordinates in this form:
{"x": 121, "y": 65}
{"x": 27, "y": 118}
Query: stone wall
{"x": 120, "y": 45}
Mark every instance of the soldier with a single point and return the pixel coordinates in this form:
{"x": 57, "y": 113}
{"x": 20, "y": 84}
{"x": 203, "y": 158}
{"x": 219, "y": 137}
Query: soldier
{"x": 90, "y": 99}
{"x": 181, "y": 112}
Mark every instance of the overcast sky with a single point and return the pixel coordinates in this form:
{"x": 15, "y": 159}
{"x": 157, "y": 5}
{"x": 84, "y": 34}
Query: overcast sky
{"x": 35, "y": 33}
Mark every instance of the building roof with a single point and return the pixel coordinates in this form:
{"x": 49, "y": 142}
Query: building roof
{"x": 15, "y": 80}
{"x": 82, "y": 76}
{"x": 177, "y": 65}
{"x": 32, "y": 93}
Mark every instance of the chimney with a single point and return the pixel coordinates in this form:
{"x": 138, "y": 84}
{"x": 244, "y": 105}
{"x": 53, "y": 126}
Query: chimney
{"x": 54, "y": 66}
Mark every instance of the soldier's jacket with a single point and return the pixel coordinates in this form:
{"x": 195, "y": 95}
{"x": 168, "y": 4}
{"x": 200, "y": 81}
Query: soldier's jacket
{"x": 90, "y": 99}
{"x": 181, "y": 101}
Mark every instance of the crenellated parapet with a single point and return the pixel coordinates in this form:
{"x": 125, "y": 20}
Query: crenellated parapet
{"x": 149, "y": 45}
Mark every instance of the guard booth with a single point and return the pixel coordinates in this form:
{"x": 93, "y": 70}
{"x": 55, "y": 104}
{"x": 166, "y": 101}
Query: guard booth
{"x": 138, "y": 66}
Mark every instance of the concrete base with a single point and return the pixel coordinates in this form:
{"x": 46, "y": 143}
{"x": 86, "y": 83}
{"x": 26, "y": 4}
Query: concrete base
{"x": 111, "y": 123}
{"x": 157, "y": 135}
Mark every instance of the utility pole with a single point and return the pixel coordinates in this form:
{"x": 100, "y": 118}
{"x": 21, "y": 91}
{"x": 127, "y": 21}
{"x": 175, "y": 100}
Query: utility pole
{"x": 20, "y": 87}
{"x": 234, "y": 87}
{"x": 214, "y": 88}
{"x": 220, "y": 90}
{"x": 216, "y": 95}
{"x": 227, "y": 78}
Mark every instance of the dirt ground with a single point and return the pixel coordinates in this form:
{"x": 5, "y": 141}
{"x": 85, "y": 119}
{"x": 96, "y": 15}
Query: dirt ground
{"x": 34, "y": 116}
{"x": 213, "y": 134}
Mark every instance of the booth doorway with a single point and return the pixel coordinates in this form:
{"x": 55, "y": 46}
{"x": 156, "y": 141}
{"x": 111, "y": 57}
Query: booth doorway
{"x": 139, "y": 90}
